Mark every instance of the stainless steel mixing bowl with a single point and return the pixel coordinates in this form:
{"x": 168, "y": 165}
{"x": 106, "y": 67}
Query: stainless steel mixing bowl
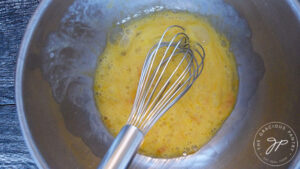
{"x": 58, "y": 56}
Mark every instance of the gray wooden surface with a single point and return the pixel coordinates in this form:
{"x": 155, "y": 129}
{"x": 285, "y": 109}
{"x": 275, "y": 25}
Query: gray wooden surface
{"x": 14, "y": 16}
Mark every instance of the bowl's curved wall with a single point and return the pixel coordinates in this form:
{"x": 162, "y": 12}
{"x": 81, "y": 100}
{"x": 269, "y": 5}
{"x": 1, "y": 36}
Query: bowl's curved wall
{"x": 55, "y": 99}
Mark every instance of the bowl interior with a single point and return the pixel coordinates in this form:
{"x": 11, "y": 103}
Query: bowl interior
{"x": 61, "y": 122}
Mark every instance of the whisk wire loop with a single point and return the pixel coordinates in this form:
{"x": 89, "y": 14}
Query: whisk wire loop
{"x": 153, "y": 79}
{"x": 157, "y": 90}
{"x": 145, "y": 77}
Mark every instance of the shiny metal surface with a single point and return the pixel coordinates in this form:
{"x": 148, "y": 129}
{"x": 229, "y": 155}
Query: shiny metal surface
{"x": 59, "y": 52}
{"x": 122, "y": 149}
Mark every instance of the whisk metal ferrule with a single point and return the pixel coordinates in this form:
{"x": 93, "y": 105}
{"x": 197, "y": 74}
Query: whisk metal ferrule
{"x": 123, "y": 148}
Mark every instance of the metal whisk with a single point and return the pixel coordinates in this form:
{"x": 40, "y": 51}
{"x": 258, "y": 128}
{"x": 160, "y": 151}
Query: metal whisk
{"x": 161, "y": 85}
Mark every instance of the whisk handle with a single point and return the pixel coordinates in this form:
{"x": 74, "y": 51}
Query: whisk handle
{"x": 122, "y": 149}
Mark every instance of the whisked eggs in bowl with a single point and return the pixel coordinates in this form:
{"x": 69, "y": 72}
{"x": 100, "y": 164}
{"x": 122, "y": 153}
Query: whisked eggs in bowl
{"x": 78, "y": 71}
{"x": 187, "y": 126}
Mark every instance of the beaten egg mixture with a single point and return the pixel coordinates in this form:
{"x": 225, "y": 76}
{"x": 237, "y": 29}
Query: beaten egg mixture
{"x": 194, "y": 119}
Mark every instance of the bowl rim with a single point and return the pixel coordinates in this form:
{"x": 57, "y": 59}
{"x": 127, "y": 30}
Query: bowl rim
{"x": 25, "y": 44}
{"x": 26, "y": 40}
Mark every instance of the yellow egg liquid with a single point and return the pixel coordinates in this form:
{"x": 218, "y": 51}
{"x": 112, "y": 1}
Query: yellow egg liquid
{"x": 198, "y": 115}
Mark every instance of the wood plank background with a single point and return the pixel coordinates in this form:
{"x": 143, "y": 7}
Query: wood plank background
{"x": 14, "y": 16}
